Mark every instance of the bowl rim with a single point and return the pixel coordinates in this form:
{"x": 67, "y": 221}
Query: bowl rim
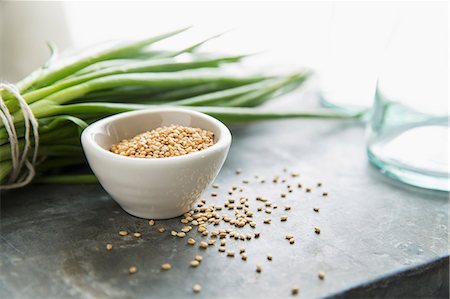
{"x": 88, "y": 141}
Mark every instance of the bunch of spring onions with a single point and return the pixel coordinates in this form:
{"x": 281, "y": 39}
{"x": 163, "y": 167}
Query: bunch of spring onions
{"x": 68, "y": 93}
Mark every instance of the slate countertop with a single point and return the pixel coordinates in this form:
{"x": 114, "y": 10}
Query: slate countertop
{"x": 379, "y": 238}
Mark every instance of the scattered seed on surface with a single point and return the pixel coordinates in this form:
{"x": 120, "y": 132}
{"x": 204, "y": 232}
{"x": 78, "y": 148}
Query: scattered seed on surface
{"x": 308, "y": 189}
{"x": 197, "y": 288}
{"x": 242, "y": 215}
{"x": 173, "y": 233}
{"x": 295, "y": 291}
{"x": 321, "y": 275}
{"x": 317, "y": 230}
{"x": 198, "y": 258}
{"x": 238, "y": 171}
{"x": 132, "y": 270}
{"x": 214, "y": 194}
{"x": 109, "y": 246}
{"x": 230, "y": 253}
{"x": 319, "y": 184}
{"x": 123, "y": 233}
{"x": 325, "y": 194}
{"x": 151, "y": 222}
{"x": 258, "y": 268}
{"x": 166, "y": 266}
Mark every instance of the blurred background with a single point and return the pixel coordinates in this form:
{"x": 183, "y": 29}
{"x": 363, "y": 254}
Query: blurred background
{"x": 342, "y": 41}
{"x": 298, "y": 37}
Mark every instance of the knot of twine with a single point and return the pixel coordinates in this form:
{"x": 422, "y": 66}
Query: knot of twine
{"x": 23, "y": 169}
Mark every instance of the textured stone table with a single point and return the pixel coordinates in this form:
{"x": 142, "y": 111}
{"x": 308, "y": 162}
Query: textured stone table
{"x": 379, "y": 238}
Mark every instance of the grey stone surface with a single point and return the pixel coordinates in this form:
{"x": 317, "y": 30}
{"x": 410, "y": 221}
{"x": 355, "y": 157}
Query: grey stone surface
{"x": 53, "y": 238}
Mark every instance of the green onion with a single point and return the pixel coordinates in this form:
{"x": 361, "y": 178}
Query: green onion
{"x": 68, "y": 93}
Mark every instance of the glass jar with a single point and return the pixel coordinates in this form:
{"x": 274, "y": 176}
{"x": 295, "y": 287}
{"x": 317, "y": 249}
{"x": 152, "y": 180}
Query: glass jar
{"x": 357, "y": 37}
{"x": 408, "y": 134}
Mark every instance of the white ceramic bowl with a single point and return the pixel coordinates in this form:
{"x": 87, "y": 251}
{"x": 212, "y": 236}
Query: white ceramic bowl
{"x": 154, "y": 188}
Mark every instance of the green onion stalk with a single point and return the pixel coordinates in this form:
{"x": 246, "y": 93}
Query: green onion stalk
{"x": 68, "y": 93}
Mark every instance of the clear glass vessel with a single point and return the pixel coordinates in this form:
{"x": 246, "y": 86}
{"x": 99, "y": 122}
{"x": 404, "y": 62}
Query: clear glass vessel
{"x": 408, "y": 134}
{"x": 357, "y": 37}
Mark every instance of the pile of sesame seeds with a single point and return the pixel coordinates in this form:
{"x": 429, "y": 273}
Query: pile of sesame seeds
{"x": 235, "y": 219}
{"x": 164, "y": 142}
